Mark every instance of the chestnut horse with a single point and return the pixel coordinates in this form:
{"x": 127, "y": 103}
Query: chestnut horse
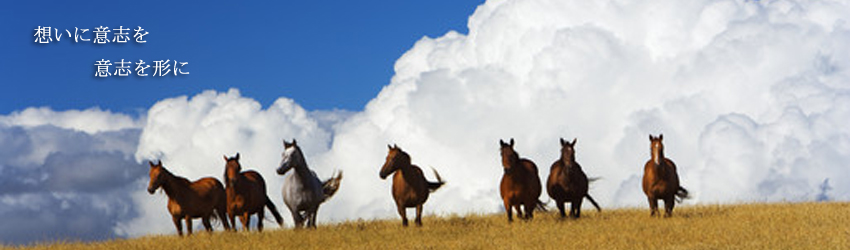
{"x": 246, "y": 195}
{"x": 660, "y": 180}
{"x": 520, "y": 185}
{"x": 567, "y": 182}
{"x": 410, "y": 188}
{"x": 203, "y": 198}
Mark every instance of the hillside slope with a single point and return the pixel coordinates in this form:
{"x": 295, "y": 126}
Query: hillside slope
{"x": 749, "y": 226}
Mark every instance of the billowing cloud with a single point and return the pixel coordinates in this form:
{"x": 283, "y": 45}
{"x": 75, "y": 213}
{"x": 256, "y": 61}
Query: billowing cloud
{"x": 750, "y": 95}
{"x": 61, "y": 178}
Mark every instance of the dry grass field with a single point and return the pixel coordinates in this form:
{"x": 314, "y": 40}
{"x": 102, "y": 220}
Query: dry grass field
{"x": 749, "y": 226}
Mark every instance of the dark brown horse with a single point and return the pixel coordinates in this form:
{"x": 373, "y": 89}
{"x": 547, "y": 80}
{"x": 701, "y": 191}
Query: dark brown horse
{"x": 567, "y": 181}
{"x": 520, "y": 183}
{"x": 660, "y": 180}
{"x": 203, "y": 198}
{"x": 246, "y": 195}
{"x": 410, "y": 188}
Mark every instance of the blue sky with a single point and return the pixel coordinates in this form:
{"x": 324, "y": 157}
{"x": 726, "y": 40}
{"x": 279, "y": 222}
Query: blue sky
{"x": 325, "y": 55}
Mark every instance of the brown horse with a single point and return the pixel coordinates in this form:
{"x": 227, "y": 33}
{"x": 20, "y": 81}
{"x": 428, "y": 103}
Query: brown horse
{"x": 520, "y": 183}
{"x": 567, "y": 182}
{"x": 203, "y": 198}
{"x": 660, "y": 180}
{"x": 246, "y": 195}
{"x": 410, "y": 188}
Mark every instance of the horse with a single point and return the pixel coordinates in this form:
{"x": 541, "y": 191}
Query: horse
{"x": 246, "y": 195}
{"x": 410, "y": 188}
{"x": 203, "y": 198}
{"x": 520, "y": 185}
{"x": 567, "y": 181}
{"x": 302, "y": 191}
{"x": 660, "y": 180}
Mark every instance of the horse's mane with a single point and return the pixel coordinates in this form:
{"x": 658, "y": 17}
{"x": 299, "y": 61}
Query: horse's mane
{"x": 531, "y": 167}
{"x": 177, "y": 181}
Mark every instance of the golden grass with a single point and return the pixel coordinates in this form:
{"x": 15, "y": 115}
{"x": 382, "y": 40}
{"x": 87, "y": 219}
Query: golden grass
{"x": 750, "y": 226}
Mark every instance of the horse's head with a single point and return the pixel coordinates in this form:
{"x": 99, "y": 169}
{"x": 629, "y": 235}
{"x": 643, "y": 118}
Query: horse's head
{"x": 509, "y": 157}
{"x": 656, "y": 148}
{"x": 290, "y": 158}
{"x": 396, "y": 158}
{"x": 157, "y": 174}
{"x": 568, "y": 151}
{"x": 232, "y": 169}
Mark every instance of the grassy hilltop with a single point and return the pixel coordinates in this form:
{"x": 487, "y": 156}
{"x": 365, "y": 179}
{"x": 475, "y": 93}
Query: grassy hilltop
{"x": 750, "y": 226}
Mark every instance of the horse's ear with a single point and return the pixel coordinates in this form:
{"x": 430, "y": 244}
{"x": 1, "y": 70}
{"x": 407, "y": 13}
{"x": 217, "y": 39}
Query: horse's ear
{"x": 293, "y": 142}
{"x": 574, "y": 142}
{"x": 563, "y": 143}
{"x": 151, "y": 163}
{"x": 225, "y": 158}
{"x": 159, "y": 162}
{"x": 390, "y": 147}
{"x": 651, "y": 138}
{"x": 512, "y": 142}
{"x": 237, "y": 156}
{"x": 396, "y": 146}
{"x": 502, "y": 143}
{"x": 660, "y": 137}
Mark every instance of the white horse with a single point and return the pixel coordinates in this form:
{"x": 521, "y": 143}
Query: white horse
{"x": 302, "y": 190}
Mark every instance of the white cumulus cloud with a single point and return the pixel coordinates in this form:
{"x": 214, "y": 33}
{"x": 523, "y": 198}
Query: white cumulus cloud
{"x": 66, "y": 175}
{"x": 750, "y": 95}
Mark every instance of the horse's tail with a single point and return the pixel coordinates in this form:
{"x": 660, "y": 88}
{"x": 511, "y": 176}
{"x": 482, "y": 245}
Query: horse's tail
{"x": 591, "y": 180}
{"x": 273, "y": 209}
{"x": 681, "y": 194}
{"x": 593, "y": 202}
{"x": 433, "y": 186}
{"x": 330, "y": 186}
{"x": 540, "y": 206}
{"x": 221, "y": 207}
{"x": 221, "y": 214}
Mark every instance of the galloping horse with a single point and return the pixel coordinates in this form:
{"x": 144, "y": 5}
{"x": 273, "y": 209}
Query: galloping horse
{"x": 410, "y": 188}
{"x": 302, "y": 191}
{"x": 520, "y": 184}
{"x": 246, "y": 195}
{"x": 660, "y": 180}
{"x": 203, "y": 198}
{"x": 567, "y": 182}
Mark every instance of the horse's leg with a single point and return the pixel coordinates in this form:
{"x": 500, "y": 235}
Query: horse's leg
{"x": 178, "y": 224}
{"x": 403, "y": 212}
{"x": 260, "y": 216}
{"x": 669, "y": 203}
{"x": 312, "y": 214}
{"x": 419, "y": 215}
{"x": 296, "y": 216}
{"x": 189, "y": 224}
{"x": 224, "y": 220}
{"x": 560, "y": 205}
{"x": 576, "y": 205}
{"x": 529, "y": 209}
{"x": 232, "y": 220}
{"x": 508, "y": 211}
{"x": 519, "y": 213}
{"x": 653, "y": 206}
{"x": 245, "y": 218}
{"x": 206, "y": 221}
